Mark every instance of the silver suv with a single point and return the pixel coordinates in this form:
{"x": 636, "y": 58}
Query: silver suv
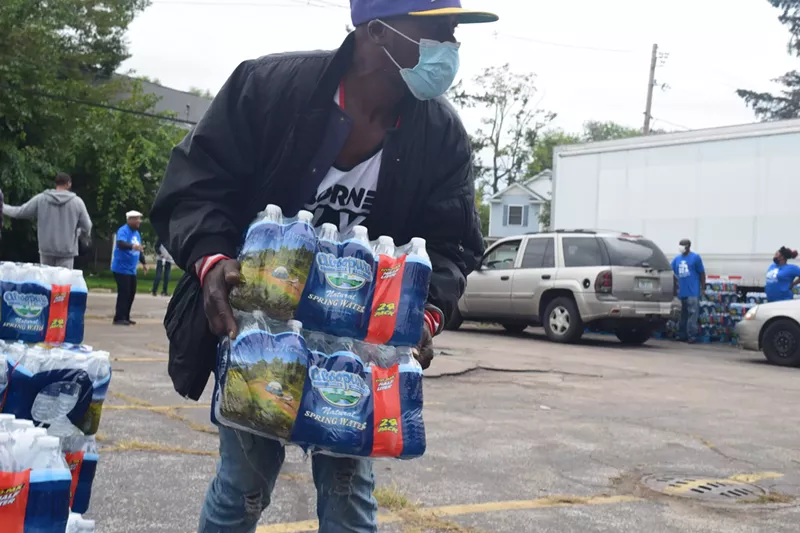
{"x": 568, "y": 281}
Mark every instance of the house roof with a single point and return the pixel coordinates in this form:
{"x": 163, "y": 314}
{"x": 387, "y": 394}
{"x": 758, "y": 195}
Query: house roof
{"x": 523, "y": 188}
{"x": 185, "y": 105}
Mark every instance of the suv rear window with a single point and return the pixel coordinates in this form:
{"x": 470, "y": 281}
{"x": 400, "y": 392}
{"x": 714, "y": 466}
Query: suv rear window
{"x": 632, "y": 252}
{"x": 582, "y": 252}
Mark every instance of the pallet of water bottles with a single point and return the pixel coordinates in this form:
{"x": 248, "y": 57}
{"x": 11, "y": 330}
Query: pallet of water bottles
{"x": 42, "y": 303}
{"x": 327, "y": 325}
{"x": 718, "y": 313}
{"x": 51, "y": 398}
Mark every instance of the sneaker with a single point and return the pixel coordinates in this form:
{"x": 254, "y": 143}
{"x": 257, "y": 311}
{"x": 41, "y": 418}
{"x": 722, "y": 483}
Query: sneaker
{"x": 131, "y": 322}
{"x": 122, "y": 322}
{"x": 154, "y": 294}
{"x": 692, "y": 341}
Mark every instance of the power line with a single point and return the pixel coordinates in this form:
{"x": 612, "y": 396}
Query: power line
{"x": 98, "y": 105}
{"x": 671, "y": 123}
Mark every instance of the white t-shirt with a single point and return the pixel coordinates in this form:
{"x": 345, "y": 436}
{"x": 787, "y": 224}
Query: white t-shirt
{"x": 345, "y": 196}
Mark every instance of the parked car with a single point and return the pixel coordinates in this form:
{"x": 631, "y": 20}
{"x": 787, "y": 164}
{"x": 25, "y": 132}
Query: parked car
{"x": 570, "y": 280}
{"x": 773, "y": 329}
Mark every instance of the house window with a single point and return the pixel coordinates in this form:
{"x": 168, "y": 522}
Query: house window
{"x": 515, "y": 215}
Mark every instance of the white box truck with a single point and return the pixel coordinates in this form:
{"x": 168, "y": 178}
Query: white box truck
{"x": 734, "y": 191}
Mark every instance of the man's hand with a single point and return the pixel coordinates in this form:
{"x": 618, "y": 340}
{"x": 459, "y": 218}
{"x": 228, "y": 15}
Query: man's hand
{"x": 145, "y": 269}
{"x": 138, "y": 247}
{"x": 424, "y": 350}
{"x": 217, "y": 285}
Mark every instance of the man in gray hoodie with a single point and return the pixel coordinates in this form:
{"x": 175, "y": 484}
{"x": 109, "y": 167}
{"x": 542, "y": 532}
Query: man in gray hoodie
{"x": 62, "y": 216}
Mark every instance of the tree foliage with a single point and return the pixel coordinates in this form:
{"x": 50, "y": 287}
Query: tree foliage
{"x": 502, "y": 145}
{"x": 202, "y": 93}
{"x": 56, "y": 66}
{"x": 785, "y": 104}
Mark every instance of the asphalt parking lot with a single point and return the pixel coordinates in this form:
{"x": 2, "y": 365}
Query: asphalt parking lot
{"x": 523, "y": 435}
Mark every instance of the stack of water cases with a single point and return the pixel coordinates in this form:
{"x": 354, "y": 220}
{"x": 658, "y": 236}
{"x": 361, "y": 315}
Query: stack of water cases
{"x": 42, "y": 304}
{"x": 38, "y": 479}
{"x": 720, "y": 311}
{"x": 52, "y": 390}
{"x": 327, "y": 322}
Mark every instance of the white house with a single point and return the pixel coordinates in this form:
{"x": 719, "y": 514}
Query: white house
{"x": 515, "y": 209}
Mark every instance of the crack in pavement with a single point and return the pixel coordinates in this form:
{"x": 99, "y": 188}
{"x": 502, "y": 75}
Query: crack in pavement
{"x": 510, "y": 371}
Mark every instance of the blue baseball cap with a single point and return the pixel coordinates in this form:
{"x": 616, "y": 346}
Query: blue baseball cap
{"x": 366, "y": 10}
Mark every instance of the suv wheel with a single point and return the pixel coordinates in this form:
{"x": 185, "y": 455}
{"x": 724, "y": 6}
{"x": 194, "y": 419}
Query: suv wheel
{"x": 781, "y": 343}
{"x": 455, "y": 321}
{"x": 562, "y": 321}
{"x": 634, "y": 336}
{"x": 515, "y": 328}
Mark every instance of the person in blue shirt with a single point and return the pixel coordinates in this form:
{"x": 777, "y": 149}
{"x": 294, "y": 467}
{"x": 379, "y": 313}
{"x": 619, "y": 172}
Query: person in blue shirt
{"x": 688, "y": 267}
{"x": 781, "y": 276}
{"x": 128, "y": 253}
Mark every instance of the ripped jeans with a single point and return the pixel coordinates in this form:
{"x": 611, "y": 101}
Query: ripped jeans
{"x": 246, "y": 473}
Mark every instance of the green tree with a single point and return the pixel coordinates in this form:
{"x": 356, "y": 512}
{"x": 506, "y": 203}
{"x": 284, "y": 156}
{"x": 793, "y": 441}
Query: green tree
{"x": 785, "y": 104}
{"x": 501, "y": 146}
{"x": 595, "y": 130}
{"x": 56, "y": 66}
{"x": 202, "y": 93}
{"x": 543, "y": 148}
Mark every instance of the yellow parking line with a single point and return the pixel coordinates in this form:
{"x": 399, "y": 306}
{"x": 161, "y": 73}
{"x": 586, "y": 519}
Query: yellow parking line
{"x": 139, "y": 359}
{"x": 155, "y": 408}
{"x": 475, "y": 508}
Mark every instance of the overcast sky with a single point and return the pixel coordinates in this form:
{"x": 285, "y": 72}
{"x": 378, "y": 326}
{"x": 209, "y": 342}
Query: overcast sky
{"x": 591, "y": 56}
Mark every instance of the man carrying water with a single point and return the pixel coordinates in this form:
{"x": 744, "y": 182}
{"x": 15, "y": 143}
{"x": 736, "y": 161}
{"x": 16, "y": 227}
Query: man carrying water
{"x": 357, "y": 136}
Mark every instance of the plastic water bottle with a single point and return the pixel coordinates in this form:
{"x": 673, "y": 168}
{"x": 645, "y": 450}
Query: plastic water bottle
{"x": 410, "y": 315}
{"x": 78, "y": 295}
{"x": 19, "y": 424}
{"x": 6, "y": 422}
{"x": 99, "y": 367}
{"x": 24, "y": 447}
{"x": 7, "y": 461}
{"x": 49, "y": 493}
{"x": 78, "y": 524}
{"x": 82, "y": 456}
{"x": 385, "y": 246}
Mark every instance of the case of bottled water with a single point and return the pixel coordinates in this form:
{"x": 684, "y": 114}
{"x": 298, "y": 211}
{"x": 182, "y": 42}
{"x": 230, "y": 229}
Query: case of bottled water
{"x": 62, "y": 387}
{"x": 342, "y": 285}
{"x": 327, "y": 394}
{"x": 42, "y": 303}
{"x": 43, "y": 478}
{"x": 35, "y": 481}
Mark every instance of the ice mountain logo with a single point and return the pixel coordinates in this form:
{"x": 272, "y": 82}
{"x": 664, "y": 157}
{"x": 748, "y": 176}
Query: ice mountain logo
{"x": 340, "y": 389}
{"x": 344, "y": 273}
{"x": 26, "y": 305}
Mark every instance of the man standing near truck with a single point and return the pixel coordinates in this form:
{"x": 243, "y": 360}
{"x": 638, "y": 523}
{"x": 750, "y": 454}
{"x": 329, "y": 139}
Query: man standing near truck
{"x": 691, "y": 274}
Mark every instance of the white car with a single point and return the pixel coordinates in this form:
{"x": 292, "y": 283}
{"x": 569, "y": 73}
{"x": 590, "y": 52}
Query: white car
{"x": 773, "y": 329}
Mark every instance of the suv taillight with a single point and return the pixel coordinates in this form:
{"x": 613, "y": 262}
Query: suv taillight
{"x": 603, "y": 283}
{"x": 674, "y": 285}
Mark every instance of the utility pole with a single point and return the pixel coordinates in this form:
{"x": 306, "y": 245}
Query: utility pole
{"x": 650, "y": 85}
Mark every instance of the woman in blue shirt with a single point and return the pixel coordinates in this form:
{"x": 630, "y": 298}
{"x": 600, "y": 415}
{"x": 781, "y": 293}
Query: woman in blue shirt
{"x": 781, "y": 277}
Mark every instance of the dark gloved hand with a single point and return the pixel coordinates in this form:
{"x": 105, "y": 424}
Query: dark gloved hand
{"x": 424, "y": 350}
{"x": 217, "y": 285}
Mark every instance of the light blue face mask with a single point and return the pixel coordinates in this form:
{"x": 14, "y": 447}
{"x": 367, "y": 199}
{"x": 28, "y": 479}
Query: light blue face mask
{"x": 436, "y": 70}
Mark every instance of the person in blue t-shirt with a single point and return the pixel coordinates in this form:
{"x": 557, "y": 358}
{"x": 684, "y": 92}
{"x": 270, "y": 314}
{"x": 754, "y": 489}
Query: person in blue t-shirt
{"x": 782, "y": 277}
{"x": 128, "y": 253}
{"x": 688, "y": 267}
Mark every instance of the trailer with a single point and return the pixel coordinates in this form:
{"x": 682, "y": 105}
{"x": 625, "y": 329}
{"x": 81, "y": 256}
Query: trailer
{"x": 734, "y": 191}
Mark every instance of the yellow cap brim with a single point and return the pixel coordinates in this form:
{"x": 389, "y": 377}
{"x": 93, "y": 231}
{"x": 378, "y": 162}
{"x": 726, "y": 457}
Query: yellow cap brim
{"x": 464, "y": 16}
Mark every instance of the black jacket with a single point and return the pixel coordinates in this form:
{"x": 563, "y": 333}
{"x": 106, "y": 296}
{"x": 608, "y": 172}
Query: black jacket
{"x": 271, "y": 135}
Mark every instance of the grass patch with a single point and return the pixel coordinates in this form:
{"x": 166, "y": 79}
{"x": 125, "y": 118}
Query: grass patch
{"x": 392, "y": 498}
{"x": 139, "y": 446}
{"x": 772, "y": 497}
{"x": 104, "y": 280}
{"x": 415, "y": 519}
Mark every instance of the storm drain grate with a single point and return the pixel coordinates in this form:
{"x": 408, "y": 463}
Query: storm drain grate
{"x": 719, "y": 490}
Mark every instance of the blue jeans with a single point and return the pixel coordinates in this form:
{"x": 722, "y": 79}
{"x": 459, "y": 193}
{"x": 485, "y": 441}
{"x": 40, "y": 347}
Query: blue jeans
{"x": 166, "y": 268}
{"x": 246, "y": 474}
{"x": 690, "y": 309}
